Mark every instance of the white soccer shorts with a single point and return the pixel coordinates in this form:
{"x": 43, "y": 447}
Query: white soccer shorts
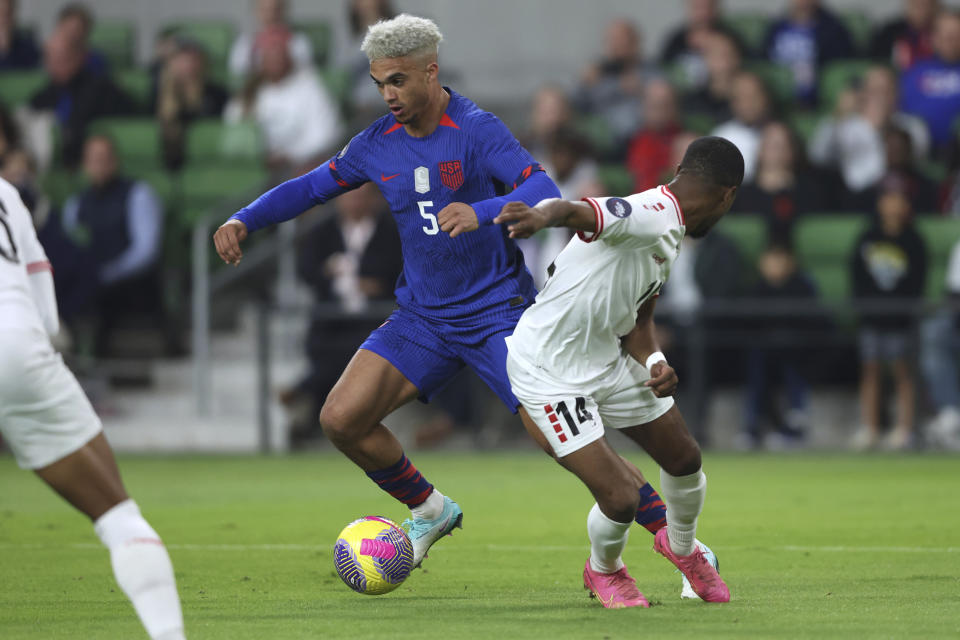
{"x": 572, "y": 418}
{"x": 44, "y": 414}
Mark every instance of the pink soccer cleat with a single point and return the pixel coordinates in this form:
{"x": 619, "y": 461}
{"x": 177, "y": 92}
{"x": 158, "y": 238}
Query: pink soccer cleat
{"x": 703, "y": 577}
{"x": 614, "y": 590}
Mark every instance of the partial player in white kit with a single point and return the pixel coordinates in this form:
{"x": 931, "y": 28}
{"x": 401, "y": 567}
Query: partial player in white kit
{"x": 49, "y": 424}
{"x": 583, "y": 358}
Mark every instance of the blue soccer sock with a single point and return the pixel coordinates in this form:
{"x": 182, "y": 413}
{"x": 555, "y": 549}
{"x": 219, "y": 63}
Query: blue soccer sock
{"x": 403, "y": 482}
{"x": 652, "y": 512}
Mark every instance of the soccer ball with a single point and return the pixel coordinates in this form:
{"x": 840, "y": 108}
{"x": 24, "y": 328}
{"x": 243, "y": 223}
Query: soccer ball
{"x": 373, "y": 555}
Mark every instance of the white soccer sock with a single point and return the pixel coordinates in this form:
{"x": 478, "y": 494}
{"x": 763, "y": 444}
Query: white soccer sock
{"x": 142, "y": 569}
{"x": 431, "y": 508}
{"x": 607, "y": 540}
{"x": 684, "y": 497}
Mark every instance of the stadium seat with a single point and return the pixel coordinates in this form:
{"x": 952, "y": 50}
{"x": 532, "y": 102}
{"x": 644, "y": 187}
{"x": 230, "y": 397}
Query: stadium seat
{"x": 617, "y": 181}
{"x": 206, "y": 186}
{"x": 940, "y": 234}
{"x": 859, "y": 26}
{"x": 836, "y": 77}
{"x": 17, "y": 87}
{"x": 597, "y": 132}
{"x": 116, "y": 40}
{"x": 58, "y": 185}
{"x": 748, "y": 231}
{"x": 137, "y": 84}
{"x": 215, "y": 37}
{"x": 777, "y": 78}
{"x": 750, "y": 26}
{"x": 804, "y": 123}
{"x": 824, "y": 244}
{"x": 137, "y": 141}
{"x": 337, "y": 82}
{"x": 699, "y": 123}
{"x": 321, "y": 37}
{"x": 212, "y": 141}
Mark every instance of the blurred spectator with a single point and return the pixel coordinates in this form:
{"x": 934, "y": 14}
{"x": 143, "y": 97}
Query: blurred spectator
{"x": 939, "y": 349}
{"x": 901, "y": 167}
{"x": 569, "y": 164}
{"x": 880, "y": 97}
{"x": 780, "y": 356}
{"x": 18, "y": 49}
{"x": 299, "y": 119}
{"x": 687, "y": 45}
{"x": 848, "y": 141}
{"x": 613, "y": 87}
{"x": 350, "y": 259}
{"x": 804, "y": 40}
{"x": 751, "y": 106}
{"x": 75, "y": 95}
{"x": 784, "y": 188}
{"x": 75, "y": 22}
{"x": 365, "y": 100}
{"x": 185, "y": 93}
{"x": 906, "y": 39}
{"x": 9, "y": 132}
{"x": 550, "y": 112}
{"x": 723, "y": 62}
{"x": 930, "y": 89}
{"x": 247, "y": 48}
{"x": 889, "y": 265}
{"x": 651, "y": 149}
{"x": 19, "y": 169}
{"x": 112, "y": 270}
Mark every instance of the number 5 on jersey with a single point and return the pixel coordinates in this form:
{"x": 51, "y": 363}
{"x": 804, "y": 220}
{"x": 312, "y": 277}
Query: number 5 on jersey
{"x": 434, "y": 228}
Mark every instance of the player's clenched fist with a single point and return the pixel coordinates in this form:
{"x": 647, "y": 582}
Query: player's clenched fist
{"x": 663, "y": 381}
{"x": 228, "y": 238}
{"x": 522, "y": 221}
{"x": 457, "y": 218}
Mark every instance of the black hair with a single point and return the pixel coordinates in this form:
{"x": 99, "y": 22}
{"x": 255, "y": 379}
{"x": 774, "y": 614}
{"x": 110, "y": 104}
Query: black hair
{"x": 715, "y": 160}
{"x": 77, "y": 10}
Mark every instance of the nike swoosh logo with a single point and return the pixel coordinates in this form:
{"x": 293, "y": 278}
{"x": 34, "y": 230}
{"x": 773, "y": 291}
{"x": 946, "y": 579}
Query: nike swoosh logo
{"x": 387, "y": 178}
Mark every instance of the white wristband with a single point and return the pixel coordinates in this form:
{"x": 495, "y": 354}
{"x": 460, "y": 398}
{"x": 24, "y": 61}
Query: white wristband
{"x": 654, "y": 358}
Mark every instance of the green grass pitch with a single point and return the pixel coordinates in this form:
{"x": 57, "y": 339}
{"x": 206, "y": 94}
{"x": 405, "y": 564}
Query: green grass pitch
{"x": 811, "y": 546}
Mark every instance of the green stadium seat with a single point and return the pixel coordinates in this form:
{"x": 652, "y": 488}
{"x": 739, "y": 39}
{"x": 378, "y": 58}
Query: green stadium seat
{"x": 320, "y": 35}
{"x": 699, "y": 123}
{"x": 58, "y": 185}
{"x": 597, "y": 132}
{"x": 748, "y": 231}
{"x": 215, "y": 37}
{"x": 164, "y": 183}
{"x": 750, "y": 26}
{"x": 940, "y": 235}
{"x": 116, "y": 40}
{"x": 804, "y": 123}
{"x": 837, "y": 76}
{"x": 137, "y": 84}
{"x": 207, "y": 186}
{"x": 617, "y": 181}
{"x": 137, "y": 141}
{"x": 824, "y": 244}
{"x": 17, "y": 87}
{"x": 337, "y": 82}
{"x": 212, "y": 141}
{"x": 859, "y": 26}
{"x": 778, "y": 78}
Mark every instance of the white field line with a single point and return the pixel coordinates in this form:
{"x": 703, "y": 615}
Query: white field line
{"x": 487, "y": 547}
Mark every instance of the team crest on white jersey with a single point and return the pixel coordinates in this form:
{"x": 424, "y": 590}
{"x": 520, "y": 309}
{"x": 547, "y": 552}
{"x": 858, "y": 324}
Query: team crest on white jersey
{"x": 619, "y": 207}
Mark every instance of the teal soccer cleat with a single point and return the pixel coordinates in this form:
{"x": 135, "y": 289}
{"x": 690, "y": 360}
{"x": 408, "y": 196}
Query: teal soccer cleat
{"x": 423, "y": 533}
{"x": 687, "y": 592}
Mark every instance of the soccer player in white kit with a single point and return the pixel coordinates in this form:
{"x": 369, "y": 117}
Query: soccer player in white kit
{"x": 52, "y": 429}
{"x": 583, "y": 358}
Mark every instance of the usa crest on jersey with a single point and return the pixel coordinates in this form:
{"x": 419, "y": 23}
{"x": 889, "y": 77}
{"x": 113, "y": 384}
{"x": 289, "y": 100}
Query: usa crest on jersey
{"x": 451, "y": 174}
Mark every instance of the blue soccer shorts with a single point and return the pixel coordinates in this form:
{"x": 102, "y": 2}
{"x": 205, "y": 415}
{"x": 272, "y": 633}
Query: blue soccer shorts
{"x": 429, "y": 353}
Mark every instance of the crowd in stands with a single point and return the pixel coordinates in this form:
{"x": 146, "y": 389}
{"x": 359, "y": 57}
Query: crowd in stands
{"x": 836, "y": 118}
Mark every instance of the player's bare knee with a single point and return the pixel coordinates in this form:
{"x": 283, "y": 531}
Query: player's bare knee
{"x": 338, "y": 422}
{"x": 685, "y": 461}
{"x": 620, "y": 504}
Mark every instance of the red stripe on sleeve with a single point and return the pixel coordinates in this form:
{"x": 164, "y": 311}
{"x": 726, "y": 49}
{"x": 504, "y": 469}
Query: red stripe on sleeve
{"x": 37, "y": 267}
{"x": 598, "y": 223}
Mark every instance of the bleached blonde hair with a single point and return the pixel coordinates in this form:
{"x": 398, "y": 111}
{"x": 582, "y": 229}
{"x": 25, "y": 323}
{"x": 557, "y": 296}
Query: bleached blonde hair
{"x": 400, "y": 37}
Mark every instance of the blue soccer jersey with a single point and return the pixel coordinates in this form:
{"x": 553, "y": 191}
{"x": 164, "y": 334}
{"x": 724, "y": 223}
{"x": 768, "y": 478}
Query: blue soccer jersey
{"x": 471, "y": 157}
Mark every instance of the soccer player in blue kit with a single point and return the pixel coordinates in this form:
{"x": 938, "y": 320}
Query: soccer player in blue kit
{"x": 443, "y": 165}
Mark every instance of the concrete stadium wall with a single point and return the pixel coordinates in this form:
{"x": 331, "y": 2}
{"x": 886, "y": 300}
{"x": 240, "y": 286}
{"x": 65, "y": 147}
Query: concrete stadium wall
{"x": 499, "y": 47}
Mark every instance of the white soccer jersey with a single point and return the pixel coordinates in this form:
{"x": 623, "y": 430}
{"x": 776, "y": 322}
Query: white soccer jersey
{"x": 20, "y": 255}
{"x": 572, "y": 332}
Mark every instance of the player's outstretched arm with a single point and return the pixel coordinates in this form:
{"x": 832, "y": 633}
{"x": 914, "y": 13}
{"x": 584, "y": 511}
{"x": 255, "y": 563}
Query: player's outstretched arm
{"x": 523, "y": 221}
{"x": 228, "y": 238}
